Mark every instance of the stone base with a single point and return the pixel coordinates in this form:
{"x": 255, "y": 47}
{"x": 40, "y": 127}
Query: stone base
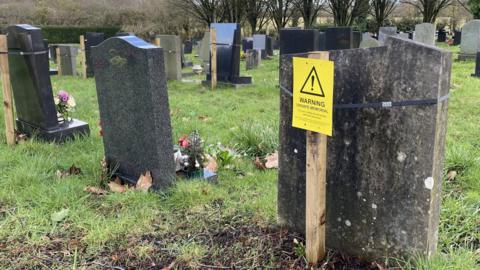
{"x": 466, "y": 57}
{"x": 59, "y": 134}
{"x": 239, "y": 82}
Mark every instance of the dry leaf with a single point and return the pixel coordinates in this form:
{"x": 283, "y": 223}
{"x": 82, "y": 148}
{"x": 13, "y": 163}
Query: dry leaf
{"x": 95, "y": 190}
{"x": 259, "y": 164}
{"x": 20, "y": 138}
{"x": 212, "y": 165}
{"x": 70, "y": 171}
{"x": 169, "y": 267}
{"x": 272, "y": 161}
{"x": 203, "y": 118}
{"x": 144, "y": 182}
{"x": 116, "y": 187}
{"x": 451, "y": 175}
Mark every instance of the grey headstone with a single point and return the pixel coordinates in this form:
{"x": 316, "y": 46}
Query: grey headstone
{"x": 134, "y": 109}
{"x": 425, "y": 33}
{"x": 204, "y": 51}
{"x": 477, "y": 66}
{"x": 260, "y": 43}
{"x": 368, "y": 41}
{"x": 172, "y": 48}
{"x": 384, "y": 170}
{"x": 68, "y": 59}
{"x": 32, "y": 88}
{"x": 403, "y": 35}
{"x": 470, "y": 43}
{"x": 384, "y": 32}
{"x": 252, "y": 59}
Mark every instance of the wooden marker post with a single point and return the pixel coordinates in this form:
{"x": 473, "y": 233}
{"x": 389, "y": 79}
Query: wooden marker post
{"x": 83, "y": 57}
{"x": 59, "y": 62}
{"x": 316, "y": 175}
{"x": 213, "y": 62}
{"x": 157, "y": 42}
{"x": 7, "y": 92}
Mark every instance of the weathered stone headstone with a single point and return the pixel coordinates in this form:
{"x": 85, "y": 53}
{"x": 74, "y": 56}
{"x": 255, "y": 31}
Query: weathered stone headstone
{"x": 339, "y": 38}
{"x": 470, "y": 43}
{"x": 53, "y": 52}
{"x": 68, "y": 59}
{"x": 457, "y": 38}
{"x": 425, "y": 33}
{"x": 172, "y": 48}
{"x": 298, "y": 41}
{"x": 477, "y": 66}
{"x": 357, "y": 38}
{"x": 368, "y": 41}
{"x": 134, "y": 109}
{"x": 442, "y": 35}
{"x": 384, "y": 32}
{"x": 187, "y": 47}
{"x": 204, "y": 51}
{"x": 260, "y": 44}
{"x": 91, "y": 39}
{"x": 228, "y": 55}
{"x": 253, "y": 59}
{"x": 32, "y": 88}
{"x": 384, "y": 168}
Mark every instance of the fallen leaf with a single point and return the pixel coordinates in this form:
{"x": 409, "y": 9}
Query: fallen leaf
{"x": 451, "y": 175}
{"x": 95, "y": 190}
{"x": 60, "y": 215}
{"x": 144, "y": 182}
{"x": 169, "y": 267}
{"x": 20, "y": 138}
{"x": 259, "y": 164}
{"x": 70, "y": 171}
{"x": 116, "y": 187}
{"x": 272, "y": 161}
{"x": 203, "y": 118}
{"x": 211, "y": 164}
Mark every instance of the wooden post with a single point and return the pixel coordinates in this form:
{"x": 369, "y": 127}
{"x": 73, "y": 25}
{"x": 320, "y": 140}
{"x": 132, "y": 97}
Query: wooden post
{"x": 213, "y": 59}
{"x": 83, "y": 57}
{"x": 157, "y": 42}
{"x": 59, "y": 62}
{"x": 7, "y": 92}
{"x": 316, "y": 175}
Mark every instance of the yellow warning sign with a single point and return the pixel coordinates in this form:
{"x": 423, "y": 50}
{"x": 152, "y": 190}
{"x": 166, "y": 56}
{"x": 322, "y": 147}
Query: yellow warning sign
{"x": 313, "y": 95}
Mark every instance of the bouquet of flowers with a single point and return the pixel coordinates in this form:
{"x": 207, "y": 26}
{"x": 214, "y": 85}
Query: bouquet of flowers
{"x": 190, "y": 156}
{"x": 65, "y": 105}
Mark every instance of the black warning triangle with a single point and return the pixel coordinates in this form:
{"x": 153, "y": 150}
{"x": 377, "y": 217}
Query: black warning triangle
{"x": 312, "y": 85}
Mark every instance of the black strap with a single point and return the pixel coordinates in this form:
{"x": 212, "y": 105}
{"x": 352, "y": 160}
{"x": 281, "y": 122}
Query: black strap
{"x": 24, "y": 53}
{"x": 383, "y": 104}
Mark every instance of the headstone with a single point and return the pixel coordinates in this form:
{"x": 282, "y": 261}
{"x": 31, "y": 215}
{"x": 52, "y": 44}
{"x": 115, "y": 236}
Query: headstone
{"x": 425, "y": 33}
{"x": 403, "y": 35}
{"x": 172, "y": 48}
{"x": 298, "y": 41}
{"x": 124, "y": 34}
{"x": 442, "y": 35}
{"x": 204, "y": 51}
{"x": 322, "y": 41}
{"x": 410, "y": 35}
{"x": 228, "y": 55}
{"x": 470, "y": 43}
{"x": 276, "y": 44}
{"x": 134, "y": 109}
{"x": 477, "y": 66}
{"x": 368, "y": 41}
{"x": 52, "y": 48}
{"x": 246, "y": 44}
{"x": 68, "y": 59}
{"x": 384, "y": 32}
{"x": 357, "y": 38}
{"x": 457, "y": 39}
{"x": 339, "y": 38}
{"x": 91, "y": 39}
{"x": 32, "y": 89}
{"x": 384, "y": 170}
{"x": 187, "y": 47}
{"x": 269, "y": 46}
{"x": 252, "y": 59}
{"x": 260, "y": 44}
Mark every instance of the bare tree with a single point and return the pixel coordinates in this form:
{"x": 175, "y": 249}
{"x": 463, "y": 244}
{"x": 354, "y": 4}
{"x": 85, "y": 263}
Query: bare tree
{"x": 309, "y": 10}
{"x": 207, "y": 11}
{"x": 429, "y": 8}
{"x": 345, "y": 12}
{"x": 232, "y": 10}
{"x": 280, "y": 12}
{"x": 381, "y": 10}
{"x": 256, "y": 13}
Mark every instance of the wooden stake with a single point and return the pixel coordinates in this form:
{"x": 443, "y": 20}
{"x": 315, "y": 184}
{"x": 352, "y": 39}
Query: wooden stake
{"x": 213, "y": 62}
{"x": 316, "y": 185}
{"x": 7, "y": 92}
{"x": 59, "y": 62}
{"x": 83, "y": 57}
{"x": 157, "y": 42}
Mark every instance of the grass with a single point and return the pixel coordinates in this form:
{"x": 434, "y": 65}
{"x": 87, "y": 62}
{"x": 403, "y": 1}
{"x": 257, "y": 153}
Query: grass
{"x": 196, "y": 223}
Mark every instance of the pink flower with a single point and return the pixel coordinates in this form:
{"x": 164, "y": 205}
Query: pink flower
{"x": 63, "y": 96}
{"x": 183, "y": 142}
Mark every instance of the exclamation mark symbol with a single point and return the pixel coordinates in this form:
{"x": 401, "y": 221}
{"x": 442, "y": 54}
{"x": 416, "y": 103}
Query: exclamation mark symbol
{"x": 313, "y": 79}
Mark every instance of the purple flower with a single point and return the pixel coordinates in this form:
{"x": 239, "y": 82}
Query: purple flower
{"x": 63, "y": 96}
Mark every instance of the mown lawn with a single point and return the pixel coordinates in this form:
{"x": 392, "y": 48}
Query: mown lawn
{"x": 196, "y": 224}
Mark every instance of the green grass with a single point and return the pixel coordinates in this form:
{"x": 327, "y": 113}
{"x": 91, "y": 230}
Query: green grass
{"x": 117, "y": 229}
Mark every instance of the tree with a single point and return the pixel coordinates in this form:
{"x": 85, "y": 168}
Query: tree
{"x": 346, "y": 12}
{"x": 207, "y": 11}
{"x": 256, "y": 13}
{"x": 429, "y": 8}
{"x": 309, "y": 10}
{"x": 280, "y": 11}
{"x": 474, "y": 8}
{"x": 381, "y": 10}
{"x": 232, "y": 10}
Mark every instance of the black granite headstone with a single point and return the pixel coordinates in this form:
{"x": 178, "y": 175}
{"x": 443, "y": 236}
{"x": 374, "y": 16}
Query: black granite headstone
{"x": 442, "y": 35}
{"x": 357, "y": 38}
{"x": 91, "y": 39}
{"x": 322, "y": 41}
{"x": 457, "y": 38}
{"x": 298, "y": 41}
{"x": 269, "y": 46}
{"x": 53, "y": 52}
{"x": 339, "y": 38}
{"x": 228, "y": 54}
{"x": 477, "y": 66}
{"x": 384, "y": 170}
{"x": 187, "y": 47}
{"x": 124, "y": 34}
{"x": 134, "y": 109}
{"x": 32, "y": 88}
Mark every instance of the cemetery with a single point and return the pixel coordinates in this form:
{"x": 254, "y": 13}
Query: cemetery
{"x": 252, "y": 140}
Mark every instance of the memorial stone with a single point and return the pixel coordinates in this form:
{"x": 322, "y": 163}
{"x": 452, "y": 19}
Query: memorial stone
{"x": 470, "y": 43}
{"x": 172, "y": 48}
{"x": 298, "y": 41}
{"x": 425, "y": 33}
{"x": 134, "y": 110}
{"x": 91, "y": 39}
{"x": 384, "y": 32}
{"x": 252, "y": 59}
{"x": 339, "y": 38}
{"x": 68, "y": 59}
